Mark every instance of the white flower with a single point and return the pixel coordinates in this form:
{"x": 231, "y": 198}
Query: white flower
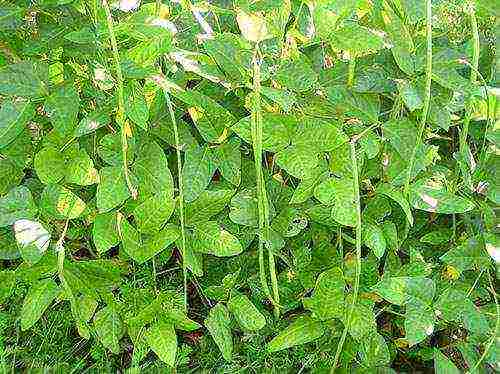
{"x": 129, "y": 5}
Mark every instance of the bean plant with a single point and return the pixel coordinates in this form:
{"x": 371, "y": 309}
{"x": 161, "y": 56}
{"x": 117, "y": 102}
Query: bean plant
{"x": 279, "y": 186}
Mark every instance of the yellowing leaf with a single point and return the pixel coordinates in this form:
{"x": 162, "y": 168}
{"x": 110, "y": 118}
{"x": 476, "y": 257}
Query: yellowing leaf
{"x": 253, "y": 26}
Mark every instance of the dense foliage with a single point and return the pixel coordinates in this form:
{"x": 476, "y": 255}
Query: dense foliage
{"x": 265, "y": 186}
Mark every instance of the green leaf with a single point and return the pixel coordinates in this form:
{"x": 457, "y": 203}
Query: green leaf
{"x": 14, "y": 116}
{"x": 38, "y": 299}
{"x": 455, "y": 306}
{"x": 8, "y": 281}
{"x": 25, "y": 78}
{"x": 155, "y": 188}
{"x": 443, "y": 365}
{"x": 218, "y": 325}
{"x": 298, "y": 161}
{"x": 362, "y": 321}
{"x": 318, "y": 135}
{"x": 356, "y": 39}
{"x": 86, "y": 307}
{"x": 8, "y": 246}
{"x": 112, "y": 190}
{"x": 80, "y": 170}
{"x": 419, "y": 322}
{"x": 50, "y": 165}
{"x": 306, "y": 187}
{"x": 197, "y": 172}
{"x": 152, "y": 171}
{"x": 436, "y": 237}
{"x": 327, "y": 300}
{"x": 12, "y": 175}
{"x": 431, "y": 196}
{"x": 340, "y": 192}
{"x": 301, "y": 331}
{"x": 145, "y": 24}
{"x": 162, "y": 339}
{"x": 246, "y": 314}
{"x": 180, "y": 320}
{"x": 110, "y": 149}
{"x": 277, "y": 130}
{"x": 212, "y": 239}
{"x": 471, "y": 255}
{"x": 289, "y": 222}
{"x": 12, "y": 17}
{"x": 207, "y": 205}
{"x": 285, "y": 99}
{"x": 151, "y": 214}
{"x": 417, "y": 294}
{"x": 143, "y": 248}
{"x": 227, "y": 156}
{"x": 400, "y": 37}
{"x": 62, "y": 107}
{"x": 244, "y": 209}
{"x": 297, "y": 75}
{"x": 92, "y": 122}
{"x": 105, "y": 232}
{"x": 109, "y": 328}
{"x": 17, "y": 204}
{"x": 61, "y": 203}
{"x": 374, "y": 352}
{"x": 402, "y": 135}
{"x": 136, "y": 108}
{"x": 209, "y": 117}
{"x": 373, "y": 238}
{"x": 397, "y": 196}
{"x": 363, "y": 106}
{"x": 404, "y": 290}
{"x": 410, "y": 95}
{"x": 231, "y": 53}
{"x": 164, "y": 129}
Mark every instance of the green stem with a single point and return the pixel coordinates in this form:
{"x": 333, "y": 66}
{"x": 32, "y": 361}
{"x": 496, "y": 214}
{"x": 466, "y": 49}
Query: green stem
{"x": 427, "y": 97}
{"x": 61, "y": 255}
{"x": 495, "y": 333}
{"x": 263, "y": 213}
{"x": 181, "y": 193}
{"x": 473, "y": 75}
{"x": 350, "y": 71}
{"x": 125, "y": 130}
{"x": 355, "y": 290}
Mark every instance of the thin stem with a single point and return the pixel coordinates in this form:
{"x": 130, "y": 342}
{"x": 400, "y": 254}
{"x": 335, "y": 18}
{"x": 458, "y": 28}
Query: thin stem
{"x": 340, "y": 245}
{"x": 125, "y": 129}
{"x": 350, "y": 71}
{"x": 61, "y": 255}
{"x": 181, "y": 193}
{"x": 473, "y": 287}
{"x": 427, "y": 98}
{"x": 61, "y": 252}
{"x": 473, "y": 75}
{"x": 495, "y": 333}
{"x": 263, "y": 214}
{"x": 155, "y": 286}
{"x": 355, "y": 290}
{"x": 356, "y": 137}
